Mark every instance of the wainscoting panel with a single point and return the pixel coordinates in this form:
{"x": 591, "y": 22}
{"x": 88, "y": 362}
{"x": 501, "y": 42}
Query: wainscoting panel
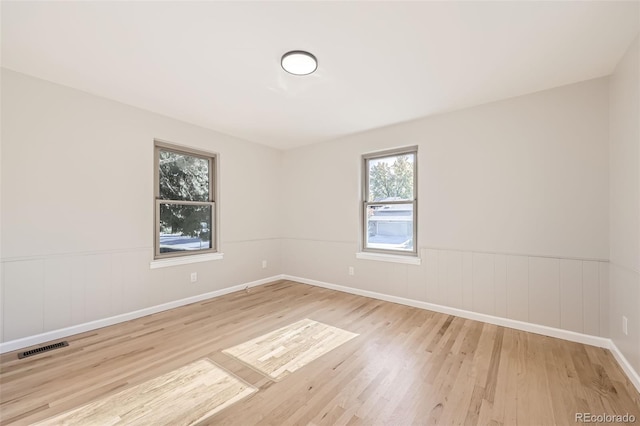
{"x": 604, "y": 269}
{"x": 58, "y": 286}
{"x": 484, "y": 295}
{"x": 500, "y": 284}
{"x": 562, "y": 293}
{"x": 23, "y": 298}
{"x": 97, "y": 287}
{"x": 77, "y": 291}
{"x": 47, "y": 294}
{"x": 571, "y": 299}
{"x": 517, "y": 288}
{"x": 625, "y": 300}
{"x": 402, "y": 275}
{"x": 431, "y": 262}
{"x": 467, "y": 280}
{"x": 43, "y": 294}
{"x": 416, "y": 288}
{"x": 590, "y": 298}
{"x": 544, "y": 291}
{"x": 442, "y": 283}
{"x": 136, "y": 281}
{"x": 454, "y": 279}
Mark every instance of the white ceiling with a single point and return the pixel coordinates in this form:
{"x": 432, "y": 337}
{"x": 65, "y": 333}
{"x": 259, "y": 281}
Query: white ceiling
{"x": 217, "y": 64}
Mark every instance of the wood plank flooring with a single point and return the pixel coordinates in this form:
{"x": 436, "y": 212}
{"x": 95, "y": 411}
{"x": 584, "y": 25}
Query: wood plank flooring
{"x": 407, "y": 366}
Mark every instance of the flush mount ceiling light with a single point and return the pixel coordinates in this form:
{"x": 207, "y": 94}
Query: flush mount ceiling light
{"x": 299, "y": 62}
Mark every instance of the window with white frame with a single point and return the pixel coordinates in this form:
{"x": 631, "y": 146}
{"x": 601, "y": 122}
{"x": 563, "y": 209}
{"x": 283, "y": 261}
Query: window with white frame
{"x": 185, "y": 208}
{"x": 390, "y": 202}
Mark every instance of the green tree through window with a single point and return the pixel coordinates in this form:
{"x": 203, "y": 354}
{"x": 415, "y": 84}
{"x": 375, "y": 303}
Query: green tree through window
{"x": 391, "y": 181}
{"x": 185, "y": 202}
{"x": 184, "y": 177}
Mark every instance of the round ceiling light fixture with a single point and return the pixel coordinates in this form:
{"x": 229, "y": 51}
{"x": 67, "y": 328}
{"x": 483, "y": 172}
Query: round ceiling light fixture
{"x": 299, "y": 62}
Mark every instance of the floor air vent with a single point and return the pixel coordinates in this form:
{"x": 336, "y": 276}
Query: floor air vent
{"x": 42, "y": 349}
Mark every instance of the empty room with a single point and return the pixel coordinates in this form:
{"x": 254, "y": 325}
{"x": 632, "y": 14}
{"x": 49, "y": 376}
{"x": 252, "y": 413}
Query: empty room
{"x": 320, "y": 213}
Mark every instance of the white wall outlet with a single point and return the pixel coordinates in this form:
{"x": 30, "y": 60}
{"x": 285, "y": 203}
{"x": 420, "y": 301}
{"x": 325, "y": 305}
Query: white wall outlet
{"x": 264, "y": 264}
{"x": 351, "y": 271}
{"x": 194, "y": 277}
{"x": 625, "y": 325}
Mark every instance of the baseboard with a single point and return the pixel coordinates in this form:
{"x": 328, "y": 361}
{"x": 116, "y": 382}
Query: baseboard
{"x": 602, "y": 342}
{"x": 628, "y": 369}
{"x": 505, "y": 322}
{"x": 571, "y": 336}
{"x": 13, "y": 345}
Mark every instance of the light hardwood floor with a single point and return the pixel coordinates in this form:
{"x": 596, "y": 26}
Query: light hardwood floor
{"x": 407, "y": 366}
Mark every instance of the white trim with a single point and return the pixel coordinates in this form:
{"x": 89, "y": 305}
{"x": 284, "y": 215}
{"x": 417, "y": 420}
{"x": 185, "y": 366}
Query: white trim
{"x": 507, "y": 253}
{"x": 410, "y": 260}
{"x": 625, "y": 267}
{"x": 184, "y": 260}
{"x": 572, "y": 336}
{"x": 626, "y": 366}
{"x": 468, "y": 250}
{"x": 93, "y": 325}
{"x": 602, "y": 342}
{"x": 74, "y": 254}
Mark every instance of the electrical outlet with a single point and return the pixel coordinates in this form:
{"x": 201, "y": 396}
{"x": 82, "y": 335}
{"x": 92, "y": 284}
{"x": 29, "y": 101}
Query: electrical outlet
{"x": 264, "y": 264}
{"x": 351, "y": 270}
{"x": 194, "y": 277}
{"x": 625, "y": 326}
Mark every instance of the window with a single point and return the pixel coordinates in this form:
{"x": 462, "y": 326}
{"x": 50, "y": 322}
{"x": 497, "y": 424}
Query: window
{"x": 390, "y": 202}
{"x": 185, "y": 208}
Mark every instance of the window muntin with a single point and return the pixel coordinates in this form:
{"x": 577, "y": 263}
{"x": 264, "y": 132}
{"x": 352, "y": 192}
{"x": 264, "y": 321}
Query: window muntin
{"x": 184, "y": 201}
{"x": 390, "y": 202}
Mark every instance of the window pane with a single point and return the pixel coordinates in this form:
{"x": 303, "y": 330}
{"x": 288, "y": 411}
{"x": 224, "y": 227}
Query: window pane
{"x": 183, "y": 177}
{"x": 390, "y": 227}
{"x": 185, "y": 227}
{"x": 391, "y": 178}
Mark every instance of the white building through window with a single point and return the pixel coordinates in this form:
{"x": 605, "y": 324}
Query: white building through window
{"x": 390, "y": 202}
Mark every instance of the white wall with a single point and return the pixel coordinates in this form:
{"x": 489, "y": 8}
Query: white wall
{"x": 513, "y": 213}
{"x": 77, "y": 208}
{"x": 513, "y": 209}
{"x": 625, "y": 204}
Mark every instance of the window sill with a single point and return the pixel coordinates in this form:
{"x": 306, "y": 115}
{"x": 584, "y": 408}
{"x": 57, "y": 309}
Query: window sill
{"x": 184, "y": 260}
{"x": 409, "y": 260}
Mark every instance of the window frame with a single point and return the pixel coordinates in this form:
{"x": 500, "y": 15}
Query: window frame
{"x": 211, "y": 201}
{"x": 366, "y": 158}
